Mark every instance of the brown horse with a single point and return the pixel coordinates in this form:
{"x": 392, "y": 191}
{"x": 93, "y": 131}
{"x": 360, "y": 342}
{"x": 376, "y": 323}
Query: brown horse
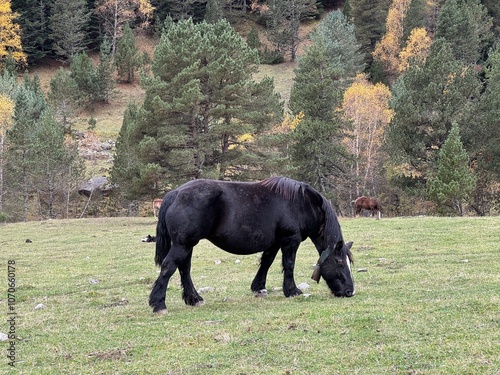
{"x": 370, "y": 204}
{"x": 156, "y": 206}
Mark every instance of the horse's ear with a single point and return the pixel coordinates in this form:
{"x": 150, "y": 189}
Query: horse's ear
{"x": 349, "y": 245}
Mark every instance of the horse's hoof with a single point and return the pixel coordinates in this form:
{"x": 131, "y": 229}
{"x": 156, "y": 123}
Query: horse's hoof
{"x": 261, "y": 293}
{"x": 160, "y": 312}
{"x": 199, "y": 303}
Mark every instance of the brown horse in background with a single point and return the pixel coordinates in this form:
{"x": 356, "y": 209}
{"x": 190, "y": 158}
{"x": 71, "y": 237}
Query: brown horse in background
{"x": 370, "y": 204}
{"x": 156, "y": 206}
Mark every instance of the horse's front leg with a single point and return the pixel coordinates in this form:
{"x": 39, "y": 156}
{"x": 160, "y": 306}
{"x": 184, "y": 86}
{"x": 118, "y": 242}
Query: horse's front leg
{"x": 174, "y": 258}
{"x": 258, "y": 286}
{"x": 189, "y": 293}
{"x": 289, "y": 249}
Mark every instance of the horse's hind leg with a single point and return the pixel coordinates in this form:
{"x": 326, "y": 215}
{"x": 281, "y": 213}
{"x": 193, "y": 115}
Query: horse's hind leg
{"x": 189, "y": 294}
{"x": 258, "y": 286}
{"x": 174, "y": 258}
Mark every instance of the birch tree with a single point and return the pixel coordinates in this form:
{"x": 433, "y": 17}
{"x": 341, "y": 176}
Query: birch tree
{"x": 367, "y": 107}
{"x": 6, "y": 114}
{"x": 10, "y": 35}
{"x": 114, "y": 14}
{"x": 388, "y": 49}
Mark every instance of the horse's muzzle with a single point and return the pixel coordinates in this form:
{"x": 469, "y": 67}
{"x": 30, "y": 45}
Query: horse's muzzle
{"x": 346, "y": 293}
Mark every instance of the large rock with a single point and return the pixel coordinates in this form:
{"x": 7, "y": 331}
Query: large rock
{"x": 95, "y": 185}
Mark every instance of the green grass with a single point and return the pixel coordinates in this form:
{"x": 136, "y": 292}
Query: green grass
{"x": 428, "y": 304}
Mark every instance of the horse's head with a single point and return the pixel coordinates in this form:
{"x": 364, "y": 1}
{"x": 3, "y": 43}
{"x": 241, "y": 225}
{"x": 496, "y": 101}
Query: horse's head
{"x": 334, "y": 266}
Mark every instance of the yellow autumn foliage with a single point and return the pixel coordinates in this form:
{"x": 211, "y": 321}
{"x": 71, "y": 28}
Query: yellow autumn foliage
{"x": 388, "y": 49}
{"x": 6, "y": 113}
{"x": 367, "y": 107}
{"x": 10, "y": 35}
{"x": 417, "y": 48}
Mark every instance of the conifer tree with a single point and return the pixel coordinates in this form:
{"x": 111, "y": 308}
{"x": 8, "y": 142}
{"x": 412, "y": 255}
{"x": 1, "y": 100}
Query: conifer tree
{"x": 68, "y": 22}
{"x": 127, "y": 56}
{"x": 34, "y": 23}
{"x": 21, "y": 156}
{"x": 63, "y": 97}
{"x": 467, "y": 27}
{"x": 213, "y": 12}
{"x": 52, "y": 163}
{"x": 426, "y": 100}
{"x": 283, "y": 25}
{"x": 369, "y": 18}
{"x": 200, "y": 113}
{"x": 327, "y": 67}
{"x": 486, "y": 135}
{"x": 454, "y": 181}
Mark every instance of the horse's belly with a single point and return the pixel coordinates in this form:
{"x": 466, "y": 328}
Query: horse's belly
{"x": 246, "y": 240}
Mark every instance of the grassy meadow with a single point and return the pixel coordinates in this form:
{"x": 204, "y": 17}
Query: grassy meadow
{"x": 427, "y": 303}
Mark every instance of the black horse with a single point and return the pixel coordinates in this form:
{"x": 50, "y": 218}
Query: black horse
{"x": 247, "y": 218}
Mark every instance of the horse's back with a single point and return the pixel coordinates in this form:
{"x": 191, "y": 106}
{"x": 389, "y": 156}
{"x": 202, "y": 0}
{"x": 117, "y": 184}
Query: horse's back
{"x": 239, "y": 217}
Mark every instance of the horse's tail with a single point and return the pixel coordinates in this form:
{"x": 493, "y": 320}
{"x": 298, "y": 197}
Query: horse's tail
{"x": 163, "y": 241}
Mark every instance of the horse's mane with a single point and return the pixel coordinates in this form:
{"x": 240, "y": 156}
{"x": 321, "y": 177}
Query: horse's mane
{"x": 291, "y": 189}
{"x": 284, "y": 186}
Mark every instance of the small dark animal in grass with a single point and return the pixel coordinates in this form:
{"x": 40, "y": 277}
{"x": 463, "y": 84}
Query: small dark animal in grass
{"x": 370, "y": 204}
{"x": 149, "y": 238}
{"x": 247, "y": 218}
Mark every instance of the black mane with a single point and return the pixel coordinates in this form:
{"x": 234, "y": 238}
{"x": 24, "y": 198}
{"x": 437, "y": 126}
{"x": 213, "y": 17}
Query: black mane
{"x": 286, "y": 187}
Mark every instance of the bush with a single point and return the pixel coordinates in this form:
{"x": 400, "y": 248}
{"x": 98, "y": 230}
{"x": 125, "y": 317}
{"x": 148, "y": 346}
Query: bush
{"x": 271, "y": 57}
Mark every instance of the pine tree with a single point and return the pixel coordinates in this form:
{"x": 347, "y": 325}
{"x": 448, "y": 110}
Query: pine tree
{"x": 283, "y": 25}
{"x": 21, "y": 155}
{"x": 426, "y": 100}
{"x": 127, "y": 56}
{"x": 369, "y": 18}
{"x": 10, "y": 38}
{"x": 95, "y": 82}
{"x": 34, "y": 23}
{"x": 127, "y": 169}
{"x": 493, "y": 7}
{"x": 63, "y": 97}
{"x": 486, "y": 136}
{"x": 253, "y": 39}
{"x": 68, "y": 22}
{"x": 84, "y": 73}
{"x": 467, "y": 27}
{"x": 213, "y": 11}
{"x": 105, "y": 72}
{"x": 326, "y": 68}
{"x": 52, "y": 162}
{"x": 454, "y": 181}
{"x": 200, "y": 113}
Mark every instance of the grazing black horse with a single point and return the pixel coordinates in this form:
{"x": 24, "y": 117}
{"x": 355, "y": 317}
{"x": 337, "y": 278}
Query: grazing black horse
{"x": 247, "y": 218}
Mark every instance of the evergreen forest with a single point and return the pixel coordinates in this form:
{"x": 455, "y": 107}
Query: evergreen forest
{"x": 393, "y": 99}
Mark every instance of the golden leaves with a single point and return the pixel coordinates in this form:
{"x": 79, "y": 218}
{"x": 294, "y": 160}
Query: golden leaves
{"x": 417, "y": 48}
{"x": 10, "y": 35}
